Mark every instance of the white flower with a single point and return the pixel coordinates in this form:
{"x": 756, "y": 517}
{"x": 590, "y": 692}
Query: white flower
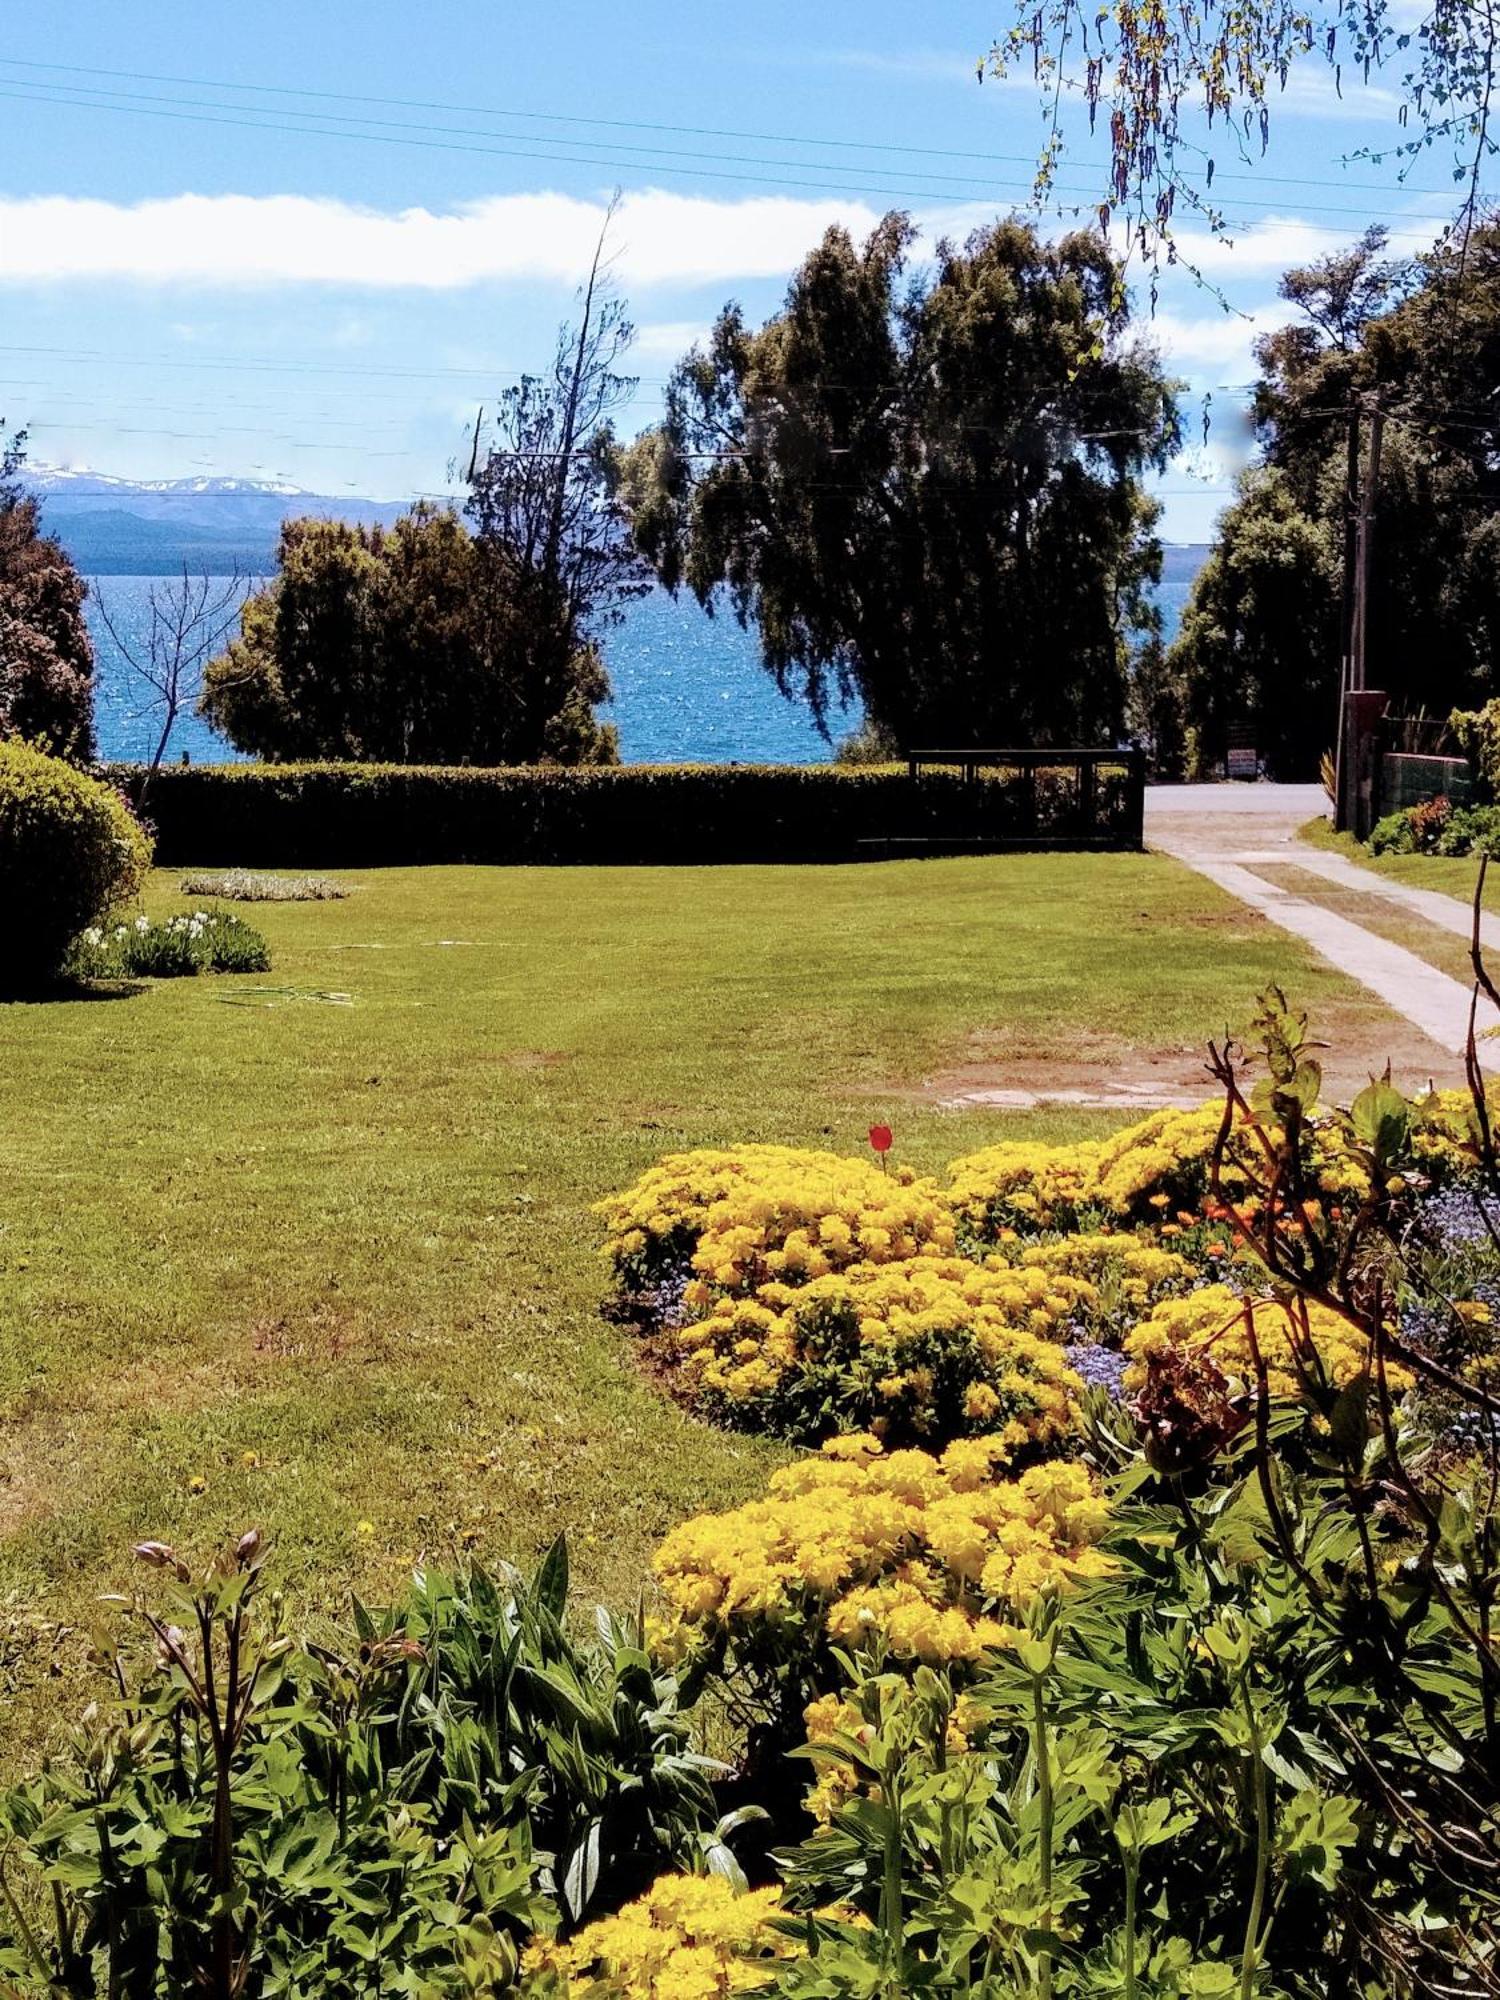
{"x": 143, "y": 923}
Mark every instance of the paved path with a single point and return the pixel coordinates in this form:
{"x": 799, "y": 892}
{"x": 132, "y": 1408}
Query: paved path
{"x": 1225, "y": 832}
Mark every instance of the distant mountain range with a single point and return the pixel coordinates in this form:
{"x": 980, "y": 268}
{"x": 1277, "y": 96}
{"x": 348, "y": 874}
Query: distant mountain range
{"x": 139, "y": 527}
{"x": 150, "y": 527}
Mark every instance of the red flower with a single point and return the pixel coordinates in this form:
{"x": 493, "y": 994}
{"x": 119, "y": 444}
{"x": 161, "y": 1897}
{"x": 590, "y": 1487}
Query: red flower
{"x": 880, "y": 1138}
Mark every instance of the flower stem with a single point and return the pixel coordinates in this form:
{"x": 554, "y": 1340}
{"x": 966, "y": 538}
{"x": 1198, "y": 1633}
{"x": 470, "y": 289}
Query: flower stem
{"x": 1250, "y": 1957}
{"x": 1044, "y": 1793}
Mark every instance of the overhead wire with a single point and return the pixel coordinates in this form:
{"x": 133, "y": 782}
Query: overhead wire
{"x": 977, "y": 191}
{"x": 630, "y": 124}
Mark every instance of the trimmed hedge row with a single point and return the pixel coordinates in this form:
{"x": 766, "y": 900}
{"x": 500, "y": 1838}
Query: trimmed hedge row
{"x": 372, "y": 815}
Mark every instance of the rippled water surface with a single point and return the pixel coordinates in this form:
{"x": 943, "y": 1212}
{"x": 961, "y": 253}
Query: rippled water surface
{"x": 688, "y": 688}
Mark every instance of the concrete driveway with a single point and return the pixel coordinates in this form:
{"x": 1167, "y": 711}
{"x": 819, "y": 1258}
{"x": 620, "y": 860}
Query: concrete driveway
{"x": 1232, "y": 833}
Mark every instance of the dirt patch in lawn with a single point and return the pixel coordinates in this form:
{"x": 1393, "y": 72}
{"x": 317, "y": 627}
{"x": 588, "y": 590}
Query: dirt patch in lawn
{"x": 1002, "y": 1072}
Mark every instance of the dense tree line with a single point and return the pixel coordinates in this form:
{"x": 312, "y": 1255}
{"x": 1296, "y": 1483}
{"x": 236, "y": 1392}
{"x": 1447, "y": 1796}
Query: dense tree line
{"x": 923, "y": 490}
{"x": 1261, "y": 637}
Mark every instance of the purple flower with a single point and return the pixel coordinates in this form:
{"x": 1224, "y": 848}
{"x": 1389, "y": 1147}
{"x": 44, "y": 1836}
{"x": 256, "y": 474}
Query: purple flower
{"x": 1100, "y": 1367}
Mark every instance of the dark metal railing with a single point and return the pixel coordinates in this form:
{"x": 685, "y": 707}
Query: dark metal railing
{"x": 1062, "y": 797}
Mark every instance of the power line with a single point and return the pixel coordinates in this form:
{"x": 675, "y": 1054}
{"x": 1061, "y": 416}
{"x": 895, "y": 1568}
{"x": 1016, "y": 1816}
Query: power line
{"x": 210, "y": 116}
{"x": 197, "y": 112}
{"x": 630, "y": 124}
{"x": 81, "y": 95}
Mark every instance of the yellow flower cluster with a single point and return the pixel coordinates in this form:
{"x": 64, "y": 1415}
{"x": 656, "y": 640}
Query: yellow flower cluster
{"x": 931, "y": 1340}
{"x": 899, "y": 1552}
{"x": 1213, "y": 1321}
{"x": 1443, "y": 1136}
{"x": 772, "y": 1212}
{"x": 1124, "y": 1272}
{"x": 1165, "y": 1155}
{"x": 1040, "y": 1186}
{"x": 690, "y": 1937}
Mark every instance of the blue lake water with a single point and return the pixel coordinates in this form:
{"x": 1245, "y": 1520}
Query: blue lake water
{"x": 687, "y": 688}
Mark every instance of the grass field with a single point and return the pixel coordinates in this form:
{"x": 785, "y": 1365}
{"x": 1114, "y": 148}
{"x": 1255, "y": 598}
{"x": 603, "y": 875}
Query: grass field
{"x": 314, "y": 1250}
{"x": 1450, "y": 875}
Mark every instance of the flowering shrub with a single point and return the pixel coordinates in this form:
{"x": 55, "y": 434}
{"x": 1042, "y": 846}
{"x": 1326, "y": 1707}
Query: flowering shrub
{"x": 806, "y": 1294}
{"x": 690, "y": 1937}
{"x": 1210, "y": 1324}
{"x": 70, "y": 851}
{"x": 1019, "y": 1186}
{"x": 244, "y": 885}
{"x": 203, "y": 941}
{"x": 932, "y": 1345}
{"x": 1125, "y": 1274}
{"x": 1162, "y": 1160}
{"x": 754, "y": 1213}
{"x": 902, "y": 1553}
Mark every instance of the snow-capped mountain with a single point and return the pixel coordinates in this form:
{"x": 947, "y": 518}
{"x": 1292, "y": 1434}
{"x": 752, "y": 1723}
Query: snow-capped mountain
{"x": 79, "y": 481}
{"x": 113, "y": 526}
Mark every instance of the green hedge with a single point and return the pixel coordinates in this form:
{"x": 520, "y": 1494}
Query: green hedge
{"x": 370, "y": 815}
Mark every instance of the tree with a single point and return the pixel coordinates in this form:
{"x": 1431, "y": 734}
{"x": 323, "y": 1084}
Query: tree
{"x": 924, "y": 492}
{"x": 1258, "y": 642}
{"x": 46, "y": 657}
{"x": 1182, "y": 86}
{"x": 187, "y": 621}
{"x": 1261, "y": 638}
{"x": 402, "y": 645}
{"x": 545, "y": 512}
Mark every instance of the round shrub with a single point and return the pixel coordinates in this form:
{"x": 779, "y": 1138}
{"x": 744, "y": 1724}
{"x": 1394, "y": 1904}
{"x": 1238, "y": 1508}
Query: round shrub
{"x": 70, "y": 849}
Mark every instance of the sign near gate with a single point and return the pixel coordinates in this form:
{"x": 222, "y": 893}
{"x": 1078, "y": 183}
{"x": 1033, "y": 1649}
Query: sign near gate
{"x": 1241, "y": 757}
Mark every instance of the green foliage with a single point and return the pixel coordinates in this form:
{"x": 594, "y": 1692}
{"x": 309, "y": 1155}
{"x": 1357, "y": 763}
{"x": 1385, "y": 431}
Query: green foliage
{"x": 923, "y": 492}
{"x": 1164, "y": 86}
{"x": 1258, "y": 641}
{"x": 1260, "y": 637}
{"x": 328, "y": 816}
{"x": 1478, "y": 733}
{"x": 46, "y": 656}
{"x": 869, "y": 744}
{"x": 204, "y": 941}
{"x": 1438, "y": 827}
{"x": 70, "y": 850}
{"x": 403, "y": 645}
{"x": 390, "y": 1813}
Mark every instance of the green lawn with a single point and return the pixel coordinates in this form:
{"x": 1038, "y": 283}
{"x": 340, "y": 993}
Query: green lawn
{"x": 269, "y": 1257}
{"x": 1451, "y": 876}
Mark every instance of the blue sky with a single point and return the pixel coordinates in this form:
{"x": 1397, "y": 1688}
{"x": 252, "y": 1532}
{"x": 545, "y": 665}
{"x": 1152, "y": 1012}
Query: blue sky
{"x": 204, "y": 271}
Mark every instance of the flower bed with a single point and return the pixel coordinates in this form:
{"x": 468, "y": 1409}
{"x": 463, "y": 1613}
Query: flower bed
{"x": 198, "y": 941}
{"x": 901, "y": 1554}
{"x": 1185, "y": 1693}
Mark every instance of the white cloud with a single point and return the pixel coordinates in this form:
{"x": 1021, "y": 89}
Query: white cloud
{"x": 1318, "y": 92}
{"x": 1274, "y": 243}
{"x": 669, "y": 339}
{"x": 658, "y": 238}
{"x": 933, "y": 65}
{"x": 1219, "y": 340}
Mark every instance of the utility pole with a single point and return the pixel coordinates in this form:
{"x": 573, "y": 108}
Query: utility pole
{"x": 1366, "y": 546}
{"x": 1360, "y": 500}
{"x": 1346, "y": 620}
